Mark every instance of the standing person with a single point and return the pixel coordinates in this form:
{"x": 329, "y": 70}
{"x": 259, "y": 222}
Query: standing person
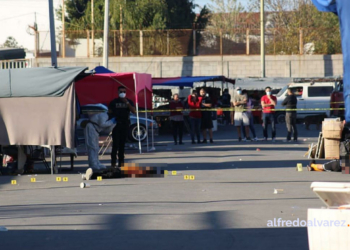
{"x": 120, "y": 109}
{"x": 291, "y": 115}
{"x": 206, "y": 122}
{"x": 268, "y": 103}
{"x": 226, "y": 103}
{"x": 250, "y": 116}
{"x": 194, "y": 102}
{"x": 241, "y": 116}
{"x": 177, "y": 118}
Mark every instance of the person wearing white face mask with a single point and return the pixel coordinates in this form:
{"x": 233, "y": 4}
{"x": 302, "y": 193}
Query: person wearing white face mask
{"x": 241, "y": 116}
{"x": 268, "y": 103}
{"x": 120, "y": 109}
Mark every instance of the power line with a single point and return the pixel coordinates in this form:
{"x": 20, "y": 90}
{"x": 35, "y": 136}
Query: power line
{"x": 17, "y": 16}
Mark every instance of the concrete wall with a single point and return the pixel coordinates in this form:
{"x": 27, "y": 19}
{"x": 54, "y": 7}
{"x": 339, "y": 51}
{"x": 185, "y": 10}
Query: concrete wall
{"x": 230, "y": 66}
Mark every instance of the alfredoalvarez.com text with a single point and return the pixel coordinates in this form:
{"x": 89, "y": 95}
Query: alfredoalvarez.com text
{"x": 306, "y": 223}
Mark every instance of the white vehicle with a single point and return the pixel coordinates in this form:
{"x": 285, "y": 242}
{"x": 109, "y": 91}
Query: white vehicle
{"x": 312, "y": 94}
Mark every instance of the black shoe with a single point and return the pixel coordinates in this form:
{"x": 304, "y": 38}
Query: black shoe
{"x": 249, "y": 139}
{"x": 181, "y": 143}
{"x": 193, "y": 142}
{"x": 239, "y": 139}
{"x": 199, "y": 142}
{"x": 175, "y": 143}
{"x": 204, "y": 141}
{"x": 211, "y": 141}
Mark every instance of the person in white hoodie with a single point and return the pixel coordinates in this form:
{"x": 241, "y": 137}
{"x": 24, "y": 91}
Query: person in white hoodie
{"x": 97, "y": 123}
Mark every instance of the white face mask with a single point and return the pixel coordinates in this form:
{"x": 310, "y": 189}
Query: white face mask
{"x": 122, "y": 95}
{"x": 268, "y": 93}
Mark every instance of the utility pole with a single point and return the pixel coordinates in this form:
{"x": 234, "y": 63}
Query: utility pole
{"x": 92, "y": 28}
{"x": 105, "y": 35}
{"x": 262, "y": 38}
{"x": 121, "y": 30}
{"x": 63, "y": 32}
{"x": 52, "y": 36}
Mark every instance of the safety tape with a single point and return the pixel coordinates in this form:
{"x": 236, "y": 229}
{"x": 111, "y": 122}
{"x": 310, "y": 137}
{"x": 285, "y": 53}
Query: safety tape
{"x": 233, "y": 109}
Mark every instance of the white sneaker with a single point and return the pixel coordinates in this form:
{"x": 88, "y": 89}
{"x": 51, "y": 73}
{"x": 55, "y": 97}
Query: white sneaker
{"x": 83, "y": 177}
{"x": 244, "y": 139}
{"x": 256, "y": 139}
{"x": 88, "y": 173}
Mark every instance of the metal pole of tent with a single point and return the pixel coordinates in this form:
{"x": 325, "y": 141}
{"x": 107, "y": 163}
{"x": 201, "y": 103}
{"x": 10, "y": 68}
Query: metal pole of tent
{"x": 144, "y": 97}
{"x": 52, "y": 158}
{"x": 137, "y": 115}
{"x": 152, "y": 148}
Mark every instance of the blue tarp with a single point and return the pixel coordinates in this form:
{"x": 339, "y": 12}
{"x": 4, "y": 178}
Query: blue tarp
{"x": 188, "y": 81}
{"x": 342, "y": 9}
{"x": 102, "y": 70}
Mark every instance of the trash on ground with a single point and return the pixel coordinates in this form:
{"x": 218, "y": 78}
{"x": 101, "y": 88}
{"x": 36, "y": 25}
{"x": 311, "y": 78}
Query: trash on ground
{"x": 3, "y": 229}
{"x": 278, "y": 191}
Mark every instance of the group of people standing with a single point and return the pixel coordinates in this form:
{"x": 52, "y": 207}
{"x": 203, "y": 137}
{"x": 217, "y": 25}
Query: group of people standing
{"x": 200, "y": 118}
{"x": 243, "y": 119}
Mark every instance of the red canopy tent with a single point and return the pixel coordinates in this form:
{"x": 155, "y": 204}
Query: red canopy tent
{"x": 103, "y": 88}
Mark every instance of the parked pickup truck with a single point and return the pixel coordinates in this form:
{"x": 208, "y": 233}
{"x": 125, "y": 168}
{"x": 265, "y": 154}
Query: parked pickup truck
{"x": 337, "y": 100}
{"x": 313, "y": 96}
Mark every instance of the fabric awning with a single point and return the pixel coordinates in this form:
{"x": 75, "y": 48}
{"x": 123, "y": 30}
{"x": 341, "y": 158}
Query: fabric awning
{"x": 37, "y": 82}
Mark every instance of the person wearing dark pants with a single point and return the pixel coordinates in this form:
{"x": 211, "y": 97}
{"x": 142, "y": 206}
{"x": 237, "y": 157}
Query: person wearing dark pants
{"x": 291, "y": 115}
{"x": 194, "y": 103}
{"x": 268, "y": 103}
{"x": 206, "y": 120}
{"x": 176, "y": 118}
{"x": 120, "y": 109}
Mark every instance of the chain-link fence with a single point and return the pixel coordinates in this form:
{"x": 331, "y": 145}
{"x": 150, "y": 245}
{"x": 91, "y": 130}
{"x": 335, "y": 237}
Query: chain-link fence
{"x": 278, "y": 41}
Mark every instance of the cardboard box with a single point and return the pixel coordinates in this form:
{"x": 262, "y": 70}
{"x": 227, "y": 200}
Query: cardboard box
{"x": 332, "y": 129}
{"x": 331, "y": 148}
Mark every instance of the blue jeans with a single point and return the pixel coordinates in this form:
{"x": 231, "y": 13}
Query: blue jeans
{"x": 266, "y": 117}
{"x": 195, "y": 128}
{"x": 251, "y": 126}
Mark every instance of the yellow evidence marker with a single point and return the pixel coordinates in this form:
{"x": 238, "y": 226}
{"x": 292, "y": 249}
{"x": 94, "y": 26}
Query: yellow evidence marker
{"x": 165, "y": 172}
{"x": 13, "y": 182}
{"x": 65, "y": 179}
{"x": 191, "y": 177}
{"x": 99, "y": 178}
{"x": 58, "y": 179}
{"x": 299, "y": 167}
{"x": 173, "y": 172}
{"x": 32, "y": 180}
{"x": 186, "y": 177}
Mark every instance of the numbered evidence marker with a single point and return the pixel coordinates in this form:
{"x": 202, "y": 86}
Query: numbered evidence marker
{"x": 186, "y": 177}
{"x": 13, "y": 182}
{"x": 192, "y": 177}
{"x": 65, "y": 179}
{"x": 173, "y": 172}
{"x": 58, "y": 179}
{"x": 299, "y": 167}
{"x": 32, "y": 180}
{"x": 99, "y": 178}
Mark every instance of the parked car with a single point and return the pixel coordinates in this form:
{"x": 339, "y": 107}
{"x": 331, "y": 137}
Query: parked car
{"x": 337, "y": 100}
{"x": 313, "y": 97}
{"x": 133, "y": 131}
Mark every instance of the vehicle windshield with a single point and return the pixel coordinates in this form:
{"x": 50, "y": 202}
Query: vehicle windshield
{"x": 282, "y": 91}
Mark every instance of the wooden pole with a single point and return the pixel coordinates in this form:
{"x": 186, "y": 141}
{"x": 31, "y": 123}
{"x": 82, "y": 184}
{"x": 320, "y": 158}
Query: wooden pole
{"x": 92, "y": 28}
{"x": 247, "y": 42}
{"x": 121, "y": 31}
{"x": 63, "y": 31}
{"x": 301, "y": 42}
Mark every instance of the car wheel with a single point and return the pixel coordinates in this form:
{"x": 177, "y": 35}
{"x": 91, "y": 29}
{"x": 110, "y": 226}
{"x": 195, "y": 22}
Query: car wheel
{"x": 281, "y": 118}
{"x": 133, "y": 133}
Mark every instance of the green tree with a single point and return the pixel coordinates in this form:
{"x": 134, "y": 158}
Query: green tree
{"x": 10, "y": 43}
{"x": 288, "y": 18}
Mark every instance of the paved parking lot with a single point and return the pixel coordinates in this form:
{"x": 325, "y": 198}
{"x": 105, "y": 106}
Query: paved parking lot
{"x": 227, "y": 206}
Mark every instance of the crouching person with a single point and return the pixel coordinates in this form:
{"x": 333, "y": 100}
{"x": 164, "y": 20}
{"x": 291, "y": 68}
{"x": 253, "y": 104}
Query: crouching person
{"x": 93, "y": 127}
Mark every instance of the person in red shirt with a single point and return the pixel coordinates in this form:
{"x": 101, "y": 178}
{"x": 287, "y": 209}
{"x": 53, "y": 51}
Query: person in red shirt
{"x": 177, "y": 118}
{"x": 194, "y": 102}
{"x": 268, "y": 103}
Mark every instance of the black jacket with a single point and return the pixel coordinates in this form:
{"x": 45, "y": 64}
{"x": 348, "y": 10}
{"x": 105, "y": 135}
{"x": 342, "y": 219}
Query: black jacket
{"x": 290, "y": 102}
